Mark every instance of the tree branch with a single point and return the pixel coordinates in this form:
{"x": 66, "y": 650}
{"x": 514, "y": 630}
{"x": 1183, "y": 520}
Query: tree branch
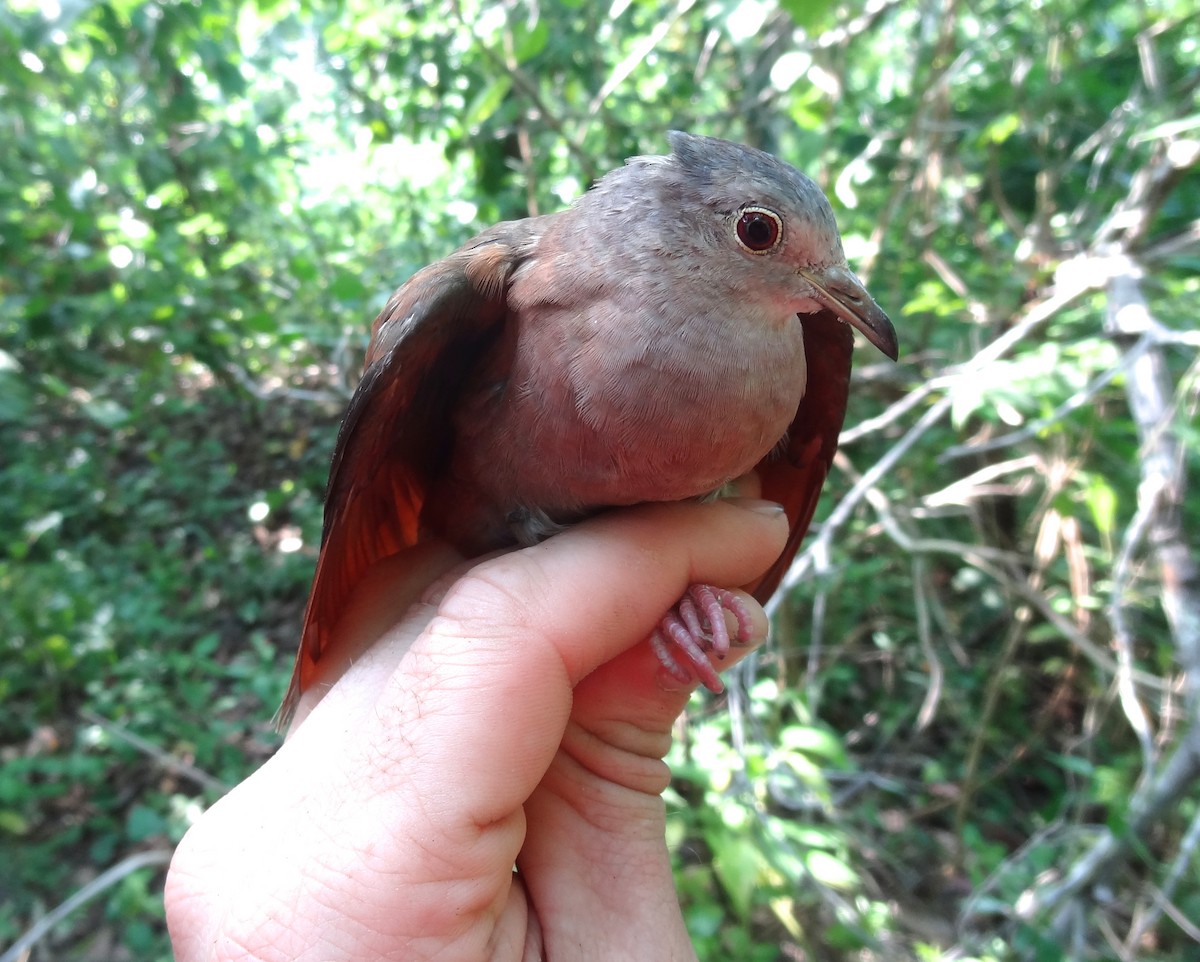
{"x": 20, "y": 949}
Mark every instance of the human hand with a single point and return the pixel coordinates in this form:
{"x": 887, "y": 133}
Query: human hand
{"x": 511, "y": 716}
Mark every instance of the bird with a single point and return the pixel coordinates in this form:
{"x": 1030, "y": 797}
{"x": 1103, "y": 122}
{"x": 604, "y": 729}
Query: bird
{"x": 687, "y": 320}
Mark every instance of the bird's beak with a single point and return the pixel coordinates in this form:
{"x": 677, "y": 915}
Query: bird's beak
{"x": 843, "y": 293}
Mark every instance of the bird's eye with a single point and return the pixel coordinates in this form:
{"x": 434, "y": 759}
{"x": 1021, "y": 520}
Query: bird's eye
{"x": 759, "y": 230}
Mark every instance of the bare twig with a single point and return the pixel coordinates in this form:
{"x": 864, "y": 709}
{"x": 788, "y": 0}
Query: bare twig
{"x": 1154, "y": 337}
{"x": 917, "y": 146}
{"x": 1162, "y": 896}
{"x": 641, "y": 50}
{"x": 1147, "y": 804}
{"x": 1074, "y": 285}
{"x": 528, "y": 86}
{"x": 951, "y": 278}
{"x": 812, "y": 687}
{"x": 1172, "y": 244}
{"x": 1129, "y": 224}
{"x": 1163, "y": 482}
{"x": 978, "y": 902}
{"x": 1081, "y": 398}
{"x": 937, "y": 672}
{"x": 986, "y": 559}
{"x": 524, "y": 141}
{"x": 847, "y": 30}
{"x": 1123, "y": 637}
{"x": 890, "y": 416}
{"x": 35, "y": 933}
{"x": 976, "y": 483}
{"x": 161, "y": 756}
{"x": 1160, "y": 500}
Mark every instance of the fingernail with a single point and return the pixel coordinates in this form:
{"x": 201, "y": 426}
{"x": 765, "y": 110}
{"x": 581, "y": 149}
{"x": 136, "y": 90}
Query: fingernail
{"x": 772, "y": 509}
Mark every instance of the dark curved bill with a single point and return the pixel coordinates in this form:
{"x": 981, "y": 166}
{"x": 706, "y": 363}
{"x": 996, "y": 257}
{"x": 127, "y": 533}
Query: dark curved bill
{"x": 844, "y": 294}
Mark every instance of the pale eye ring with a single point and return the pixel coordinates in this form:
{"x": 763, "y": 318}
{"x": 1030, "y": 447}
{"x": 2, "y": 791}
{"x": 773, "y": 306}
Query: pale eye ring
{"x": 759, "y": 230}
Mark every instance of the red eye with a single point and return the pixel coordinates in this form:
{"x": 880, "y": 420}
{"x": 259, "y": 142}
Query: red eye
{"x": 759, "y": 229}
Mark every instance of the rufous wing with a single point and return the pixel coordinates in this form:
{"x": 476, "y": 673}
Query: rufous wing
{"x": 398, "y": 433}
{"x": 794, "y": 473}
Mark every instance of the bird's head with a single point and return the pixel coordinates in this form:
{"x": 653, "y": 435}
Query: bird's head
{"x": 758, "y": 227}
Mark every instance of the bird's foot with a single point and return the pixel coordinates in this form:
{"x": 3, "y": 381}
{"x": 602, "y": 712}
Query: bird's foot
{"x": 697, "y": 626}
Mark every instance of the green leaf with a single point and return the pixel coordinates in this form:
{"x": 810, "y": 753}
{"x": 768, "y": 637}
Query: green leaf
{"x": 812, "y": 15}
{"x": 347, "y": 287}
{"x": 738, "y": 864}
{"x": 144, "y": 822}
{"x": 1101, "y": 500}
{"x": 106, "y": 412}
{"x": 830, "y": 870}
{"x": 16, "y": 397}
{"x": 814, "y": 741}
{"x": 201, "y": 223}
{"x": 1000, "y": 129}
{"x": 487, "y": 102}
{"x": 528, "y": 43}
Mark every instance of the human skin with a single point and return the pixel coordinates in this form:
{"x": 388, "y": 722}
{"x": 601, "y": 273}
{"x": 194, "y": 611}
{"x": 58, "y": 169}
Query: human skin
{"x": 505, "y": 713}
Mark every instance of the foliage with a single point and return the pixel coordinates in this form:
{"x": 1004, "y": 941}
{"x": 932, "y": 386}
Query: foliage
{"x": 983, "y": 675}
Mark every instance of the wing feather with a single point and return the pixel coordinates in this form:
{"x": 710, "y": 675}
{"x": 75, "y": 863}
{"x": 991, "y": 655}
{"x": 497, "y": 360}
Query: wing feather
{"x": 795, "y": 476}
{"x": 398, "y": 431}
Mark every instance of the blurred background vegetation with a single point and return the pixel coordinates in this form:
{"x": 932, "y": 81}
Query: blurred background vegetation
{"x": 976, "y": 735}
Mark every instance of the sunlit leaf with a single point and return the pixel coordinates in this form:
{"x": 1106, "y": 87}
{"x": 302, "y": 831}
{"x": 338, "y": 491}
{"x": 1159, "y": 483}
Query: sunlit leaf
{"x": 809, "y": 14}
{"x": 738, "y": 864}
{"x": 831, "y": 870}
{"x": 487, "y": 101}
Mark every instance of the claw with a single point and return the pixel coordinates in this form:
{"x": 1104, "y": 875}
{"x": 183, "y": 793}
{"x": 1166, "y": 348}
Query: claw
{"x": 662, "y": 652}
{"x": 697, "y": 626}
{"x": 714, "y": 613}
{"x": 687, "y": 612}
{"x": 736, "y": 607}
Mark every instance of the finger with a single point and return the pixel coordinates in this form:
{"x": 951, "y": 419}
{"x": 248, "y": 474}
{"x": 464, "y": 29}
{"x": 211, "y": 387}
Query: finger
{"x": 380, "y": 600}
{"x": 487, "y": 687}
{"x": 623, "y": 712}
{"x": 425, "y": 780}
